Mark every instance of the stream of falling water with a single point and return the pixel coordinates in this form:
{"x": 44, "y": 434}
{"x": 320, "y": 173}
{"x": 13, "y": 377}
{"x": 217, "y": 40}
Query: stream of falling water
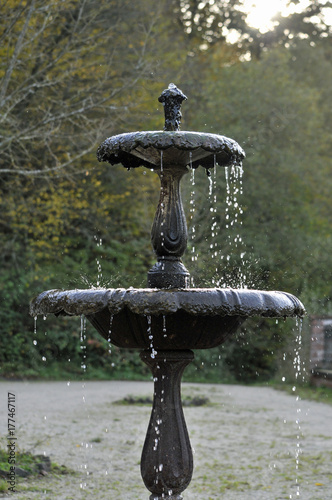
{"x": 297, "y": 364}
{"x": 83, "y": 345}
{"x": 84, "y": 444}
{"x": 162, "y": 203}
{"x": 109, "y": 337}
{"x": 233, "y": 211}
{"x": 194, "y": 253}
{"x": 99, "y": 243}
{"x": 164, "y": 326}
{"x": 233, "y": 247}
{"x": 150, "y": 336}
{"x": 299, "y": 375}
{"x": 35, "y": 319}
{"x": 213, "y": 210}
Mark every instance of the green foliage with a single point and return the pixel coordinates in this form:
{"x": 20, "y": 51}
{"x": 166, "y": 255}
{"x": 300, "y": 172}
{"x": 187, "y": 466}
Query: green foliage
{"x": 31, "y": 464}
{"x": 282, "y": 122}
{"x": 213, "y": 23}
{"x": 72, "y": 71}
{"x": 279, "y": 114}
{"x": 68, "y": 222}
{"x": 251, "y": 355}
{"x": 24, "y": 460}
{"x": 305, "y": 392}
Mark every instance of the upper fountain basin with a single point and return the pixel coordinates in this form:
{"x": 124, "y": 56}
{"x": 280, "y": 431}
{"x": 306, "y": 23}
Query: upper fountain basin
{"x": 180, "y": 318}
{"x": 183, "y": 148}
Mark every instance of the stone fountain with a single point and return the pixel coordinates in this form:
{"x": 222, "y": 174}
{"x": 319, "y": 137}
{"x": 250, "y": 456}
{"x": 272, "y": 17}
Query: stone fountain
{"x": 168, "y": 320}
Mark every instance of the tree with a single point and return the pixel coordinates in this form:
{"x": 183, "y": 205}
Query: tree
{"x": 65, "y": 70}
{"x": 210, "y": 23}
{"x": 274, "y": 110}
{"x": 278, "y": 109}
{"x": 71, "y": 74}
{"x": 307, "y": 23}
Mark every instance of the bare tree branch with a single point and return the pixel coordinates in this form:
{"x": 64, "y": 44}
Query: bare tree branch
{"x": 64, "y": 75}
{"x": 17, "y": 51}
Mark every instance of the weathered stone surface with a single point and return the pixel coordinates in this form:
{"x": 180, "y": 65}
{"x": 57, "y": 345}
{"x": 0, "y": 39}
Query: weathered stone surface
{"x": 179, "y": 319}
{"x": 167, "y": 459}
{"x": 170, "y": 153}
{"x": 148, "y": 301}
{"x": 171, "y": 98}
{"x": 149, "y": 148}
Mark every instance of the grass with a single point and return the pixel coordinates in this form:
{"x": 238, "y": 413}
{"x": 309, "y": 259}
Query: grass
{"x": 319, "y": 394}
{"x": 32, "y": 465}
{"x": 62, "y": 370}
{"x": 24, "y": 460}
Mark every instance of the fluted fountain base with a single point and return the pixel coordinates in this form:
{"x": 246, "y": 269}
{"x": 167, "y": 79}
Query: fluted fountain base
{"x": 167, "y": 459}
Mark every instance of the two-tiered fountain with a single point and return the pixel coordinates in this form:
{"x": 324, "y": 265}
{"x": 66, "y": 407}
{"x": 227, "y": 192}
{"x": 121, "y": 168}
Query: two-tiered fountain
{"x": 168, "y": 319}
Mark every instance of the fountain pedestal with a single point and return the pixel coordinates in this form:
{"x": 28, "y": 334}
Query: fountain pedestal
{"x": 167, "y": 461}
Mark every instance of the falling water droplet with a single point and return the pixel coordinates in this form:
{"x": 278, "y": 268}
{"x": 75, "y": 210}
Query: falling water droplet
{"x": 297, "y": 367}
{"x": 235, "y": 243}
{"x": 215, "y": 229}
{"x": 99, "y": 243}
{"x": 110, "y": 334}
{"x": 210, "y": 186}
{"x": 194, "y": 254}
{"x": 150, "y": 336}
{"x": 83, "y": 343}
{"x": 164, "y": 326}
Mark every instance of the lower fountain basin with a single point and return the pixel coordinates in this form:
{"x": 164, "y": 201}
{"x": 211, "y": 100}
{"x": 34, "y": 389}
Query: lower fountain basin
{"x": 196, "y": 318}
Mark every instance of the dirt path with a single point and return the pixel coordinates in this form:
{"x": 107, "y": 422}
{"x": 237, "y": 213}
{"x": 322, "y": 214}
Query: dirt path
{"x": 251, "y": 444}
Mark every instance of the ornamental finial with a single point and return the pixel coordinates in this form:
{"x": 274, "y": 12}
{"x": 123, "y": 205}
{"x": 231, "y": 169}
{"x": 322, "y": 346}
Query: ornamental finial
{"x": 172, "y": 98}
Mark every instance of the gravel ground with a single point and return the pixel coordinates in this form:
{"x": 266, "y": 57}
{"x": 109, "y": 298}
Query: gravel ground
{"x": 252, "y": 443}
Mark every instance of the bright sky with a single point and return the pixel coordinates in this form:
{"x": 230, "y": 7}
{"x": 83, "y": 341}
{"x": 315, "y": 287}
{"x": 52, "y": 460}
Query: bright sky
{"x": 262, "y": 11}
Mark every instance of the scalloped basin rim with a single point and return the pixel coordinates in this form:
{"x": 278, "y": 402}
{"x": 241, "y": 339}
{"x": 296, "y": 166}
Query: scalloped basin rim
{"x": 147, "y": 301}
{"x": 137, "y": 149}
{"x": 164, "y": 139}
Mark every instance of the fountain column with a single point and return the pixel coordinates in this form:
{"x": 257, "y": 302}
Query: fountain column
{"x": 169, "y": 233}
{"x": 167, "y": 461}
